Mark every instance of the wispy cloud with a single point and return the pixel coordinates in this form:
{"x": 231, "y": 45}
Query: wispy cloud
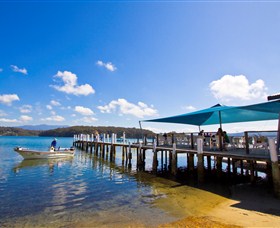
{"x": 17, "y": 69}
{"x": 84, "y": 111}
{"x": 25, "y": 109}
{"x": 87, "y": 119}
{"x": 70, "y": 84}
{"x": 4, "y": 120}
{"x": 139, "y": 110}
{"x": 56, "y": 118}
{"x": 55, "y": 103}
{"x": 1, "y": 70}
{"x": 25, "y": 118}
{"x": 109, "y": 66}
{"x": 231, "y": 87}
{"x": 49, "y": 107}
{"x": 8, "y": 99}
{"x": 189, "y": 108}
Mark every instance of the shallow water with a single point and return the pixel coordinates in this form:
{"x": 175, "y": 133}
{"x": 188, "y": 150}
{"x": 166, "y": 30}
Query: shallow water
{"x": 82, "y": 190}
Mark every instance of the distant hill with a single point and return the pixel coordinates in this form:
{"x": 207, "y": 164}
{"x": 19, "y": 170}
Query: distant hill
{"x": 15, "y": 131}
{"x": 71, "y": 131}
{"x": 41, "y": 127}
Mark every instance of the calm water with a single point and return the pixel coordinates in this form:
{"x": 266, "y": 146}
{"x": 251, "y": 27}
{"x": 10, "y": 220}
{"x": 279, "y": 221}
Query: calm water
{"x": 82, "y": 190}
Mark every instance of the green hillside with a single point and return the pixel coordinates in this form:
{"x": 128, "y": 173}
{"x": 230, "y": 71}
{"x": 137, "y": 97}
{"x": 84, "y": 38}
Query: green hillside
{"x": 71, "y": 131}
{"x": 14, "y": 131}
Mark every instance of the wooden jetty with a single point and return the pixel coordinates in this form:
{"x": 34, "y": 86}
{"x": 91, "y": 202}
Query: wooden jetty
{"x": 201, "y": 155}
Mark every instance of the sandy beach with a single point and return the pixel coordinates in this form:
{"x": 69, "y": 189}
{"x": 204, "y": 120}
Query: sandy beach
{"x": 246, "y": 206}
{"x": 221, "y": 207}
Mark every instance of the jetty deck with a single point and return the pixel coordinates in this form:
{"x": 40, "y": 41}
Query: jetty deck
{"x": 240, "y": 158}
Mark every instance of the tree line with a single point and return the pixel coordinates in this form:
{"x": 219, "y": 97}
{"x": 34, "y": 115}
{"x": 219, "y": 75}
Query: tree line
{"x": 71, "y": 131}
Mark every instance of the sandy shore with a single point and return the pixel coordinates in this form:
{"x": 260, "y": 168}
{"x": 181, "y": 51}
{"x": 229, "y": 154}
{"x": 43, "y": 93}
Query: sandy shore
{"x": 245, "y": 206}
{"x": 213, "y": 206}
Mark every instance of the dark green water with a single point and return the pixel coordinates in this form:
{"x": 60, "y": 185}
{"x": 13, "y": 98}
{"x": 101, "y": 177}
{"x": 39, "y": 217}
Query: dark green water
{"x": 63, "y": 193}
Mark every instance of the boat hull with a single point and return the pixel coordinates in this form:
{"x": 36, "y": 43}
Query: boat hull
{"x": 34, "y": 154}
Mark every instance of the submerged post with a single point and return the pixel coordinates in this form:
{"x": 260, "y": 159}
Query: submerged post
{"x": 275, "y": 167}
{"x": 155, "y": 161}
{"x": 129, "y": 155}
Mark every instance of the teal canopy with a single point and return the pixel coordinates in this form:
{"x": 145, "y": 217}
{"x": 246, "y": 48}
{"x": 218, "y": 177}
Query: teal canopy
{"x": 219, "y": 114}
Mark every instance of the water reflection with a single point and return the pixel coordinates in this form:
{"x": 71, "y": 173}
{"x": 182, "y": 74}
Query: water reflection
{"x": 51, "y": 163}
{"x": 86, "y": 189}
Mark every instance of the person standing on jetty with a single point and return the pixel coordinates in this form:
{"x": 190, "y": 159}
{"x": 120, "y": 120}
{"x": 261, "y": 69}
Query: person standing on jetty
{"x": 219, "y": 135}
{"x": 223, "y": 138}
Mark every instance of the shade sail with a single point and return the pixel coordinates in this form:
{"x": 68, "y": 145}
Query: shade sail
{"x": 226, "y": 114}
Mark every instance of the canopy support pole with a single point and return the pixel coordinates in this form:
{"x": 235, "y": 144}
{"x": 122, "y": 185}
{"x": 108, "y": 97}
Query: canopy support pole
{"x": 220, "y": 119}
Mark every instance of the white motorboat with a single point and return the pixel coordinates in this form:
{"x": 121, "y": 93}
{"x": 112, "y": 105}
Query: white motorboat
{"x": 51, "y": 153}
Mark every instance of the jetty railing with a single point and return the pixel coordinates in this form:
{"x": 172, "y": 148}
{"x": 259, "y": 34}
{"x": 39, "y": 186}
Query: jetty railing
{"x": 202, "y": 154}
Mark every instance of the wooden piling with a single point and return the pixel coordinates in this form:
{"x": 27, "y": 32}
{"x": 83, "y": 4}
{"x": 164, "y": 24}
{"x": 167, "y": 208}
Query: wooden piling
{"x": 155, "y": 161}
{"x": 219, "y": 166}
{"x": 174, "y": 160}
{"x": 200, "y": 162}
{"x": 274, "y": 167}
{"x": 191, "y": 163}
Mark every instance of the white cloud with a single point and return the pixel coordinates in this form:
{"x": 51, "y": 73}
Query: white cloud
{"x": 66, "y": 108}
{"x": 25, "y": 109}
{"x": 56, "y": 118}
{"x": 109, "y": 66}
{"x": 49, "y": 107}
{"x": 237, "y": 87}
{"x": 189, "y": 108}
{"x": 55, "y": 103}
{"x": 7, "y": 99}
{"x": 87, "y": 119}
{"x": 25, "y": 118}
{"x": 4, "y": 120}
{"x": 84, "y": 111}
{"x": 70, "y": 84}
{"x": 53, "y": 113}
{"x": 16, "y": 69}
{"x": 124, "y": 107}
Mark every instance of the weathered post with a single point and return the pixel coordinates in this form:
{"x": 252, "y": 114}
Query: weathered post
{"x": 252, "y": 172}
{"x": 74, "y": 139}
{"x": 192, "y": 143}
{"x": 129, "y": 155}
{"x": 155, "y": 161}
{"x": 246, "y": 142}
{"x": 275, "y": 167}
{"x": 87, "y": 142}
{"x": 139, "y": 156}
{"x": 174, "y": 160}
{"x": 112, "y": 147}
{"x": 219, "y": 161}
{"x": 200, "y": 165}
{"x": 191, "y": 162}
{"x": 157, "y": 139}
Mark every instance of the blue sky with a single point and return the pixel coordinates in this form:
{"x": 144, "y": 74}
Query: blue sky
{"x": 115, "y": 63}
